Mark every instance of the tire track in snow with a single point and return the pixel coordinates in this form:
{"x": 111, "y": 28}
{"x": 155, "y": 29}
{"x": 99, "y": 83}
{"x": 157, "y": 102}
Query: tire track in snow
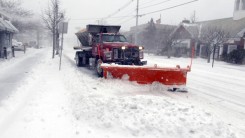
{"x": 81, "y": 74}
{"x": 219, "y": 92}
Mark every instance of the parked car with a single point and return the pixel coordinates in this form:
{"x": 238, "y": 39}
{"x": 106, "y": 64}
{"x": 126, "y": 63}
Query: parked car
{"x": 26, "y": 45}
{"x": 33, "y": 44}
{"x": 18, "y": 46}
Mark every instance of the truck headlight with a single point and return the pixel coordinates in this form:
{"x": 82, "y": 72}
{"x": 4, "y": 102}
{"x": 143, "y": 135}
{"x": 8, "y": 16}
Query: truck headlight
{"x": 141, "y": 48}
{"x": 123, "y": 47}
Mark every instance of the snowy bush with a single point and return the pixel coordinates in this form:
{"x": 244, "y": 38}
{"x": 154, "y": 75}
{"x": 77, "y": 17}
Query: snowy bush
{"x": 236, "y": 56}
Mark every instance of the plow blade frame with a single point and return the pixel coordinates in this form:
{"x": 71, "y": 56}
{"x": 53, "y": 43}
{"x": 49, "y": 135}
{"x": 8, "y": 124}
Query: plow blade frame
{"x": 147, "y": 75}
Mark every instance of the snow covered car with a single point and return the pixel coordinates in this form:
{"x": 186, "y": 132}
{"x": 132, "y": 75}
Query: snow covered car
{"x": 18, "y": 46}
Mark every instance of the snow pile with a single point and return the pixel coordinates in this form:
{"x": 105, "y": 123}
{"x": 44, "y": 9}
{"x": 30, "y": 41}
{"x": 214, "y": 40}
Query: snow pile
{"x": 147, "y": 116}
{"x": 118, "y": 108}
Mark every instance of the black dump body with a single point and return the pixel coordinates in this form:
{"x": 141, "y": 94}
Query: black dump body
{"x": 83, "y": 35}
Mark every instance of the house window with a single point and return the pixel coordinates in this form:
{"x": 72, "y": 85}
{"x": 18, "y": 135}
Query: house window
{"x": 237, "y": 5}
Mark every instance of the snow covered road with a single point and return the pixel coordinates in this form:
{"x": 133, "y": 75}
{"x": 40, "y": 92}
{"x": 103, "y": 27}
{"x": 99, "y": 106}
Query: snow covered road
{"x": 221, "y": 89}
{"x": 73, "y": 102}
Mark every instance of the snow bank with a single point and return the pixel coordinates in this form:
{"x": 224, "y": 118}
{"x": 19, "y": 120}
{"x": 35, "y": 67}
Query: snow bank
{"x": 147, "y": 116}
{"x": 118, "y": 108}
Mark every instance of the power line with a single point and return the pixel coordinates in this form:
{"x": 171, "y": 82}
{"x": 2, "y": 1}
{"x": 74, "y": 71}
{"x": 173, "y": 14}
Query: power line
{"x": 133, "y": 16}
{"x": 147, "y": 2}
{"x": 155, "y": 4}
{"x": 84, "y": 19}
{"x": 127, "y": 20}
{"x": 103, "y": 18}
{"x": 128, "y": 14}
{"x": 168, "y": 8}
{"x": 110, "y": 16}
{"x": 120, "y": 9}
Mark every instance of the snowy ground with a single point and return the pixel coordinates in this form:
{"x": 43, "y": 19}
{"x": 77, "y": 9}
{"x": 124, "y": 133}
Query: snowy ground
{"x": 220, "y": 90}
{"x": 73, "y": 102}
{"x": 15, "y": 69}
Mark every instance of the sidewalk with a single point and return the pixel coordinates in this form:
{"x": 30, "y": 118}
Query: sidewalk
{"x": 19, "y": 55}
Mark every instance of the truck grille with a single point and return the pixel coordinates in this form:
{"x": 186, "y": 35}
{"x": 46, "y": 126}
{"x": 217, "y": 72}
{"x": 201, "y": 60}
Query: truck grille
{"x": 129, "y": 53}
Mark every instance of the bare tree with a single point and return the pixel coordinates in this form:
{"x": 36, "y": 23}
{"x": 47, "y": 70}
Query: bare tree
{"x": 213, "y": 37}
{"x": 149, "y": 36}
{"x": 51, "y": 17}
{"x": 22, "y": 19}
{"x": 169, "y": 40}
{"x": 17, "y": 14}
{"x": 13, "y": 8}
{"x": 193, "y": 18}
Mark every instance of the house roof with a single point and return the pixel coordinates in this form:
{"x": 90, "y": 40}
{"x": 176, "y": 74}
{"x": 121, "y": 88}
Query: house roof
{"x": 235, "y": 28}
{"x": 7, "y": 26}
{"x": 193, "y": 29}
{"x": 158, "y": 26}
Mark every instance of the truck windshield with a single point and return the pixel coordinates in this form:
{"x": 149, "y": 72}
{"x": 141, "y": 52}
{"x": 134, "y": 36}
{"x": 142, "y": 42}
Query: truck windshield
{"x": 113, "y": 38}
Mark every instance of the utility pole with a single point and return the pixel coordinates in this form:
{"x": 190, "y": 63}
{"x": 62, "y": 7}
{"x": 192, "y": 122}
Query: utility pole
{"x": 137, "y": 22}
{"x": 56, "y": 27}
{"x": 55, "y": 12}
{"x": 63, "y": 29}
{"x": 62, "y": 39}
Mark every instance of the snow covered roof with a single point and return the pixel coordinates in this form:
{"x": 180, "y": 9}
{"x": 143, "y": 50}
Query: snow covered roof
{"x": 193, "y": 29}
{"x": 186, "y": 31}
{"x": 6, "y": 25}
{"x": 158, "y": 26}
{"x": 234, "y": 27}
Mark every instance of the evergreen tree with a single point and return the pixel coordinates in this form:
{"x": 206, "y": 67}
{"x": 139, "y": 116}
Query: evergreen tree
{"x": 149, "y": 36}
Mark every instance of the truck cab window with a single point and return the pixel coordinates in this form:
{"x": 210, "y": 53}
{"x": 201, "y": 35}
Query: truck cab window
{"x": 113, "y": 38}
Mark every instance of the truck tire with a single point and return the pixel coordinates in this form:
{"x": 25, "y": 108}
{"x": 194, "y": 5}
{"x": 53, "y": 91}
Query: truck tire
{"x": 98, "y": 69}
{"x": 78, "y": 61}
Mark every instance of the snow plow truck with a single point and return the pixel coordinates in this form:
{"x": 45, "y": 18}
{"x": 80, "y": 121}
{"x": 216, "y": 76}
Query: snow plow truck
{"x": 107, "y": 51}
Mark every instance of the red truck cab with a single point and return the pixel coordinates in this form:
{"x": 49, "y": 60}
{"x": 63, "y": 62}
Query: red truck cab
{"x": 104, "y": 44}
{"x": 114, "y": 48}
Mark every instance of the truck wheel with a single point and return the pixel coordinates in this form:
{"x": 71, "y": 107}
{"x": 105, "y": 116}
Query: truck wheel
{"x": 78, "y": 62}
{"x": 99, "y": 70}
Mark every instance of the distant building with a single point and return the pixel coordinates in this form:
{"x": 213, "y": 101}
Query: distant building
{"x": 155, "y": 46}
{"x": 187, "y": 35}
{"x": 7, "y": 30}
{"x": 235, "y": 26}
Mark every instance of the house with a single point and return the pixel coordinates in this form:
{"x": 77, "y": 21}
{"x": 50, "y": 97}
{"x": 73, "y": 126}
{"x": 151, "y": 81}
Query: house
{"x": 7, "y": 30}
{"x": 187, "y": 38}
{"x": 234, "y": 26}
{"x": 236, "y": 30}
{"x": 150, "y": 35}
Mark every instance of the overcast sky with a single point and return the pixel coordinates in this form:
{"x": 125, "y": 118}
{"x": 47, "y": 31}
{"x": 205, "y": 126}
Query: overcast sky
{"x": 78, "y": 10}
